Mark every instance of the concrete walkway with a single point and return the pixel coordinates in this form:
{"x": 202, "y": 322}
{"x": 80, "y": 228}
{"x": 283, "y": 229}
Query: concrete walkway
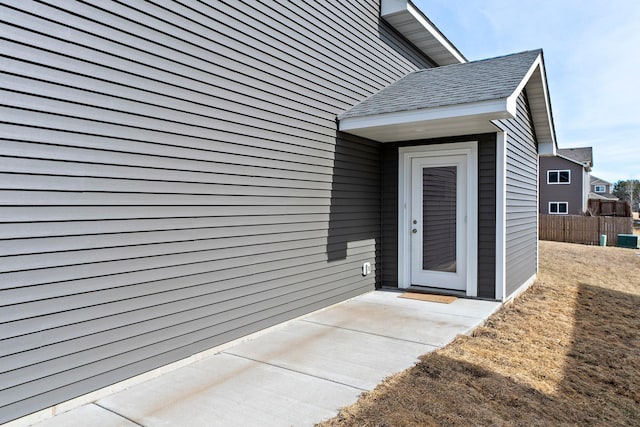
{"x": 296, "y": 374}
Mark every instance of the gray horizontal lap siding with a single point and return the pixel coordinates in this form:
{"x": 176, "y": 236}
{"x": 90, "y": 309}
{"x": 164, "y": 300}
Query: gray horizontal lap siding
{"x": 487, "y": 166}
{"x": 521, "y": 204}
{"x": 171, "y": 179}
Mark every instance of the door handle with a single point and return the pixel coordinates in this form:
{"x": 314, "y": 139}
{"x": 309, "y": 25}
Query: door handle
{"x": 414, "y": 231}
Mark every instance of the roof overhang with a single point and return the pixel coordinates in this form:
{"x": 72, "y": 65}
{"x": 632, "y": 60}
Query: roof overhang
{"x": 595, "y": 180}
{"x": 602, "y": 197}
{"x": 585, "y": 165}
{"x": 535, "y": 83}
{"x": 411, "y": 23}
{"x": 463, "y": 119}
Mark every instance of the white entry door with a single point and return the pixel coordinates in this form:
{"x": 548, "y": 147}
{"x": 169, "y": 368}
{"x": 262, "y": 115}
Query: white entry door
{"x": 438, "y": 217}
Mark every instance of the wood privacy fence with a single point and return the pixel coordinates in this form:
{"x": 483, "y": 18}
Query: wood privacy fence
{"x": 583, "y": 229}
{"x": 599, "y": 207}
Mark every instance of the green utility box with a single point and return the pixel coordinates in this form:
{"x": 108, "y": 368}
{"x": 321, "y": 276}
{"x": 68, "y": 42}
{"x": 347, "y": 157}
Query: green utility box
{"x": 628, "y": 241}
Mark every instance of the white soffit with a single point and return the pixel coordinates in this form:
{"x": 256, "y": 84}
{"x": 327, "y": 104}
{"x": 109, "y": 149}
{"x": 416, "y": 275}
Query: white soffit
{"x": 411, "y": 23}
{"x": 535, "y": 84}
{"x": 540, "y": 106}
{"x": 464, "y": 119}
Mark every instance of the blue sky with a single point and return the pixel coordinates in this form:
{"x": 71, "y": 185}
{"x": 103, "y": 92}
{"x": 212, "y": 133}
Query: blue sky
{"x": 592, "y": 57}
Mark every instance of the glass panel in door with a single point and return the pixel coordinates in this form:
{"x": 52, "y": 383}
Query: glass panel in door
{"x": 439, "y": 210}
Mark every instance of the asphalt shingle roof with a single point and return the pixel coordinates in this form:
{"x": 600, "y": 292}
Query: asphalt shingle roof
{"x": 455, "y": 84}
{"x": 596, "y": 180}
{"x": 580, "y": 155}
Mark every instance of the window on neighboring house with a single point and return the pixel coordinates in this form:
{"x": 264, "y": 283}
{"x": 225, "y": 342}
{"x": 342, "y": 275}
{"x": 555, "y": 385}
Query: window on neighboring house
{"x": 558, "y": 208}
{"x": 601, "y": 189}
{"x": 559, "y": 177}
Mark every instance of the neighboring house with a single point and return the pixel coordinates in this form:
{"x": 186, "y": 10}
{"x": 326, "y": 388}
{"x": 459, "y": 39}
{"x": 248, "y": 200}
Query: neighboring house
{"x": 175, "y": 177}
{"x": 564, "y": 181}
{"x": 601, "y": 189}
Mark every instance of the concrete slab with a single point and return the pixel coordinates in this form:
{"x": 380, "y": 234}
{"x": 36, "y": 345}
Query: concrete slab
{"x": 296, "y": 374}
{"x": 87, "y": 415}
{"x": 478, "y": 309}
{"x": 231, "y": 391}
{"x": 345, "y": 356}
{"x": 383, "y": 313}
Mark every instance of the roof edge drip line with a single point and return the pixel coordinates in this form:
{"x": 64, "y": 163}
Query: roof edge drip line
{"x": 405, "y": 17}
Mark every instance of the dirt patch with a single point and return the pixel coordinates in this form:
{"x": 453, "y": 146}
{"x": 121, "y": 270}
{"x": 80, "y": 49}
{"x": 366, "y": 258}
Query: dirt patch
{"x": 567, "y": 351}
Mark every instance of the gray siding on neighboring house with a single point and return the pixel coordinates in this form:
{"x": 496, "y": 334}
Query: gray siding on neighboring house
{"x": 172, "y": 179}
{"x": 571, "y": 193}
{"x": 607, "y": 187}
{"x": 521, "y": 198}
{"x": 388, "y": 277}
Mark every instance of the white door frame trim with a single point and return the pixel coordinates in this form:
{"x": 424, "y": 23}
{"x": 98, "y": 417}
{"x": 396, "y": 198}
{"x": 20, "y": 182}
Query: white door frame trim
{"x": 456, "y": 279}
{"x": 405, "y": 154}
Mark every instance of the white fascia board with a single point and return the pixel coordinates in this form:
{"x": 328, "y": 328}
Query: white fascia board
{"x": 390, "y": 9}
{"x": 534, "y": 67}
{"x": 435, "y": 33}
{"x": 512, "y": 100}
{"x": 545, "y": 91}
{"x": 547, "y": 146}
{"x": 492, "y": 110}
{"x": 512, "y": 105}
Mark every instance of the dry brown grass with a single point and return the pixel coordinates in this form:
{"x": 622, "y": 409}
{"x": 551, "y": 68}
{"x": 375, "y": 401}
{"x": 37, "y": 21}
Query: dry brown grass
{"x": 566, "y": 352}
